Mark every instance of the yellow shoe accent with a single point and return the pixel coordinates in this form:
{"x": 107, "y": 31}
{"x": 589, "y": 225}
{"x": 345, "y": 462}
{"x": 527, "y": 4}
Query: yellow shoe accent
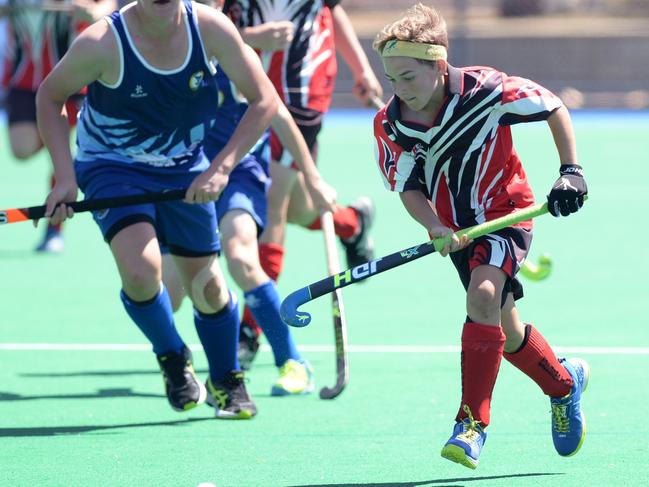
{"x": 457, "y": 454}
{"x": 295, "y": 378}
{"x": 465, "y": 445}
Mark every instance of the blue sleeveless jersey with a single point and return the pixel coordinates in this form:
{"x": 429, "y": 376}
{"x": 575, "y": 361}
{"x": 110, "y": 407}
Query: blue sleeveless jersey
{"x": 151, "y": 118}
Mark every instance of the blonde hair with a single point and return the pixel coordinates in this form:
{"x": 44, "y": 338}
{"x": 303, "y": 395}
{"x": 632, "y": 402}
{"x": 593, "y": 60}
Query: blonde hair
{"x": 419, "y": 24}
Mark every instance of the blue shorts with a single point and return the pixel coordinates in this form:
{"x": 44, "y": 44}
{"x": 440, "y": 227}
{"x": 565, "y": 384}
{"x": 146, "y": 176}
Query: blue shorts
{"x": 188, "y": 230}
{"x": 248, "y": 186}
{"x": 245, "y": 191}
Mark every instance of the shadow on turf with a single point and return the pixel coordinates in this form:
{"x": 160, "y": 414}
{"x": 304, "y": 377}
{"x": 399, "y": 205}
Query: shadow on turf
{"x": 436, "y": 482}
{"x": 116, "y": 373}
{"x": 74, "y": 430}
{"x": 100, "y": 394}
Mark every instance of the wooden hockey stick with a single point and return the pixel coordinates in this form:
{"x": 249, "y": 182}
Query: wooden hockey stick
{"x": 338, "y": 309}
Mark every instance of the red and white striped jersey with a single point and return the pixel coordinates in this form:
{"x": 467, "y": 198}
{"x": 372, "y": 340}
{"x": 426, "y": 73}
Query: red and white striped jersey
{"x": 465, "y": 163}
{"x": 304, "y": 73}
{"x": 37, "y": 40}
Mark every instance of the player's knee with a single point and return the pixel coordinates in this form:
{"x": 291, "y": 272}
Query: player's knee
{"x": 140, "y": 278}
{"x": 209, "y": 292}
{"x": 23, "y": 152}
{"x": 483, "y": 302}
{"x": 241, "y": 268}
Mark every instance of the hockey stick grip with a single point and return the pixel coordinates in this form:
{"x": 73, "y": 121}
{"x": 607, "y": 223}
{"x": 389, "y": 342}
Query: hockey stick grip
{"x": 36, "y": 212}
{"x": 294, "y": 317}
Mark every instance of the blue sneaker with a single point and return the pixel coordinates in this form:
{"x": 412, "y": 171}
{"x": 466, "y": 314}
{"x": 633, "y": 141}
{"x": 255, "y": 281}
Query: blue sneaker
{"x": 52, "y": 242}
{"x": 295, "y": 378}
{"x": 568, "y": 421}
{"x": 465, "y": 444}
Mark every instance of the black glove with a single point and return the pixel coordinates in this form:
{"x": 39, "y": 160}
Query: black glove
{"x": 567, "y": 194}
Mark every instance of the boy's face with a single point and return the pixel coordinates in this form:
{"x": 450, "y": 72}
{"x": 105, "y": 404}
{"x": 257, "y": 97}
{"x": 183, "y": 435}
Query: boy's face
{"x": 413, "y": 82}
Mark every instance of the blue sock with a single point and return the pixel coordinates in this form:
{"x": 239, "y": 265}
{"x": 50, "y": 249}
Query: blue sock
{"x": 264, "y": 304}
{"x": 156, "y": 320}
{"x": 219, "y": 334}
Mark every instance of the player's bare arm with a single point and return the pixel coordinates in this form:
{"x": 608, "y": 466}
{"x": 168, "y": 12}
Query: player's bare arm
{"x": 323, "y": 195}
{"x": 269, "y": 36}
{"x": 569, "y": 190}
{"x": 366, "y": 85}
{"x": 564, "y": 135}
{"x": 223, "y": 42}
{"x": 92, "y": 56}
{"x": 420, "y": 209}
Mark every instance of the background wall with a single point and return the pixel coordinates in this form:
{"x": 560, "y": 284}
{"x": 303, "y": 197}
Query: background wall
{"x": 594, "y": 53}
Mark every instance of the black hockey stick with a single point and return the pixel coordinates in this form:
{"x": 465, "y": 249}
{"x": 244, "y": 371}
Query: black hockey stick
{"x": 14, "y": 215}
{"x": 293, "y": 317}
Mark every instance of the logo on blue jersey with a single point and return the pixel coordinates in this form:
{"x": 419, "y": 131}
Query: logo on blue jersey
{"x": 139, "y": 92}
{"x": 196, "y": 80}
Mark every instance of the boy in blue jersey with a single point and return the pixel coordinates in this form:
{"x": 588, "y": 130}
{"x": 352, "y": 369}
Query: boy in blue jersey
{"x": 241, "y": 210}
{"x": 151, "y": 100}
{"x": 297, "y": 41}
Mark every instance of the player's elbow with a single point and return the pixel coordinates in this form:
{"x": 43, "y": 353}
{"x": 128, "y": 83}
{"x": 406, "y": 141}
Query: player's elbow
{"x": 268, "y": 106}
{"x": 46, "y": 98}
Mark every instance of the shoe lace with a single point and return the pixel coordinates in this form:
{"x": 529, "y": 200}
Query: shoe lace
{"x": 175, "y": 366}
{"x": 238, "y": 388}
{"x": 560, "y": 417}
{"x": 289, "y": 370}
{"x": 231, "y": 390}
{"x": 472, "y": 427}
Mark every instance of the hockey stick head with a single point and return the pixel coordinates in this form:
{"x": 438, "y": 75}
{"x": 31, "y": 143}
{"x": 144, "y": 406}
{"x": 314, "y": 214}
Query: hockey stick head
{"x": 289, "y": 309}
{"x": 331, "y": 393}
{"x": 537, "y": 272}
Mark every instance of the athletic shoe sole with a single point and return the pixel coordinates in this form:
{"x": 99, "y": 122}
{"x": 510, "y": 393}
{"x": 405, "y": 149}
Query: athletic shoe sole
{"x": 457, "y": 454}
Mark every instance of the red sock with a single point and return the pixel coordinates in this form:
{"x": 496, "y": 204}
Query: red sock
{"x": 536, "y": 359}
{"x": 482, "y": 350}
{"x": 50, "y": 227}
{"x": 271, "y": 257}
{"x": 345, "y": 223}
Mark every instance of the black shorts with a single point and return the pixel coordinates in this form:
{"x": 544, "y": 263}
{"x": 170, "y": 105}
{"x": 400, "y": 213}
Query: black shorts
{"x": 21, "y": 106}
{"x": 310, "y": 123}
{"x": 505, "y": 249}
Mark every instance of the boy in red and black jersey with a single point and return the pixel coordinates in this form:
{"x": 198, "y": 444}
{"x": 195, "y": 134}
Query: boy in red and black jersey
{"x": 444, "y": 144}
{"x": 39, "y": 35}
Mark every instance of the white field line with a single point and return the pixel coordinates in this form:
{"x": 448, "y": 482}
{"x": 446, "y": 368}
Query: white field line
{"x": 407, "y": 349}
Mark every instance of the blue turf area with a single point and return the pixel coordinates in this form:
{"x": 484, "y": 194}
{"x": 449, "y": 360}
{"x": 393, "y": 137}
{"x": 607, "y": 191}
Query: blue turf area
{"x": 82, "y": 402}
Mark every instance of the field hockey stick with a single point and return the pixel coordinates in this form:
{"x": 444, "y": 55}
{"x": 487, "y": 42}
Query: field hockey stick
{"x": 340, "y": 323}
{"x": 293, "y": 317}
{"x": 15, "y": 215}
{"x": 537, "y": 272}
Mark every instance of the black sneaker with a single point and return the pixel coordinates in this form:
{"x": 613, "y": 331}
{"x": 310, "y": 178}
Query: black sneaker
{"x": 248, "y": 345}
{"x": 184, "y": 390}
{"x": 360, "y": 248}
{"x": 229, "y": 397}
